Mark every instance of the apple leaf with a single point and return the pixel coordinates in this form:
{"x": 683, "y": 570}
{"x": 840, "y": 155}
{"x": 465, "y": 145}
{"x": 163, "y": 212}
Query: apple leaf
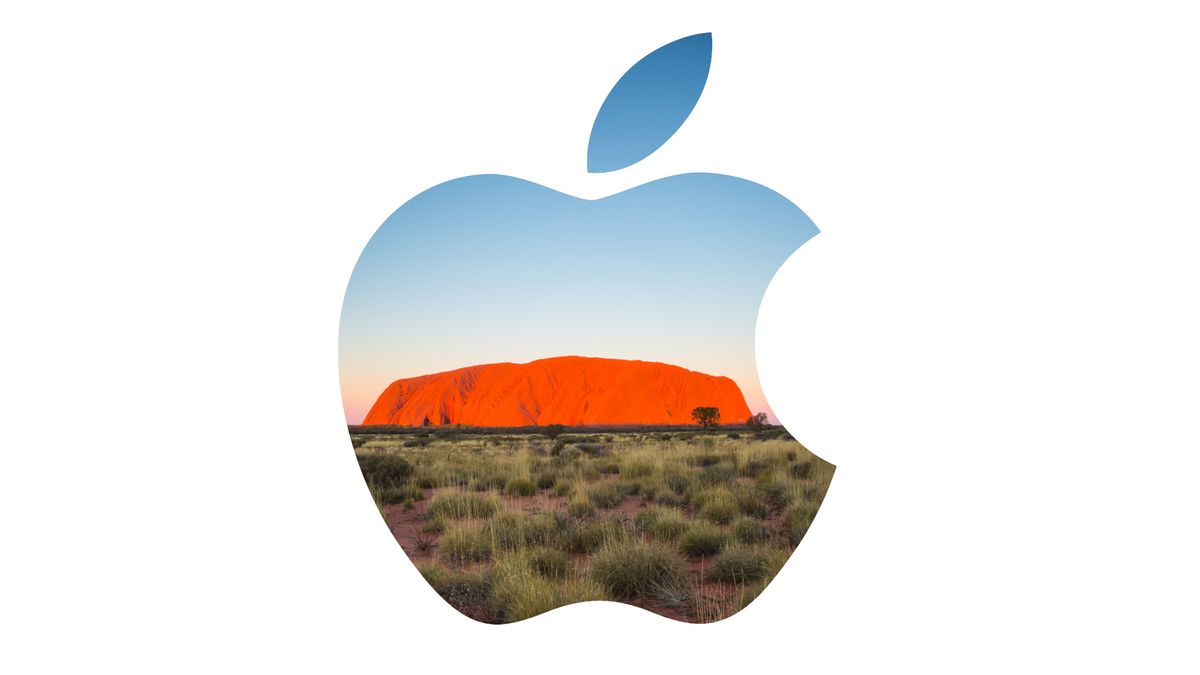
{"x": 649, "y": 103}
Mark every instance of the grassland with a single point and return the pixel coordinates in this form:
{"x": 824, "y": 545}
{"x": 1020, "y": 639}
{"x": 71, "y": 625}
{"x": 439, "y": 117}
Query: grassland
{"x": 507, "y": 525}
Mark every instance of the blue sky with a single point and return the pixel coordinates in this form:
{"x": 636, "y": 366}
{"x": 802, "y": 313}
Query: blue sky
{"x": 491, "y": 268}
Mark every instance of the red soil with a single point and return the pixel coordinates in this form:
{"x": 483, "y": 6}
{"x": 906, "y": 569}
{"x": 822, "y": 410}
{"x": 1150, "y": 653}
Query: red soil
{"x": 568, "y": 390}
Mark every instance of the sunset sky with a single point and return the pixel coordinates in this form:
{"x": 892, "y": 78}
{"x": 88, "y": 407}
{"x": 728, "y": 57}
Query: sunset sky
{"x": 488, "y": 269}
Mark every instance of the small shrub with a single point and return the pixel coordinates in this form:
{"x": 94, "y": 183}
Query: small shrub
{"x": 422, "y": 541}
{"x": 545, "y": 481}
{"x": 396, "y": 494}
{"x": 520, "y": 487}
{"x": 701, "y": 539}
{"x": 636, "y": 569}
{"x": 435, "y": 525}
{"x": 802, "y": 471}
{"x": 459, "y": 588}
{"x": 750, "y": 530}
{"x": 384, "y": 469}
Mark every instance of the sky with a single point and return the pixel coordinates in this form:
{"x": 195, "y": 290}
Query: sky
{"x": 489, "y": 269}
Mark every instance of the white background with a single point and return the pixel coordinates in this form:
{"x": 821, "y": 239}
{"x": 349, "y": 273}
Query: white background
{"x": 994, "y": 336}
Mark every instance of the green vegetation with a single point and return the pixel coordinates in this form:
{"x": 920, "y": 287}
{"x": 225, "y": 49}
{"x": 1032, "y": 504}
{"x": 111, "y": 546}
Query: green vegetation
{"x": 701, "y": 539}
{"x": 639, "y": 569}
{"x": 507, "y": 525}
{"x": 521, "y": 487}
{"x": 706, "y": 416}
{"x": 463, "y": 505}
{"x": 750, "y": 530}
{"x": 742, "y": 564}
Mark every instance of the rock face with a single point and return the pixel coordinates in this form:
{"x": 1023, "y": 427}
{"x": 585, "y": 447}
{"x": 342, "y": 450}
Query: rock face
{"x": 566, "y": 390}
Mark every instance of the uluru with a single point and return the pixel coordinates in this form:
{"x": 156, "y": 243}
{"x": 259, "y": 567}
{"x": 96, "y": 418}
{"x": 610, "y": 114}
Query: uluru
{"x": 569, "y": 390}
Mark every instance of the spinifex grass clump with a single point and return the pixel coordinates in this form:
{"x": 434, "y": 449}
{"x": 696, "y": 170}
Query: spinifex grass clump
{"x": 716, "y": 505}
{"x": 750, "y": 530}
{"x": 545, "y": 528}
{"x": 520, "y": 487}
{"x": 741, "y": 564}
{"x": 588, "y": 536}
{"x": 639, "y": 569}
{"x": 562, "y": 488}
{"x": 796, "y": 521}
{"x": 463, "y": 505}
{"x": 662, "y": 523}
{"x": 519, "y": 591}
{"x": 580, "y": 507}
{"x": 701, "y": 539}
{"x": 750, "y": 503}
{"x": 506, "y": 530}
{"x": 606, "y": 495}
{"x": 550, "y": 562}
{"x": 465, "y": 543}
{"x": 667, "y": 497}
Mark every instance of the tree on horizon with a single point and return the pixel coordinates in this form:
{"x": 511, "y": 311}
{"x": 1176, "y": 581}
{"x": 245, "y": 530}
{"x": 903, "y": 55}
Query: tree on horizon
{"x": 706, "y": 416}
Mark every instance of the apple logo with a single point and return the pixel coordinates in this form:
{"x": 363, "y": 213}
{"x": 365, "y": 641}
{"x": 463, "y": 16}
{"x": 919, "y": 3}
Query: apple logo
{"x": 568, "y": 385}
